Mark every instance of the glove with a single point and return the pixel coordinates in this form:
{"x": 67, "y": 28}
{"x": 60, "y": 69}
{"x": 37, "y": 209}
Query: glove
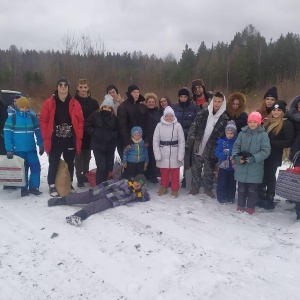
{"x": 41, "y": 150}
{"x": 10, "y": 155}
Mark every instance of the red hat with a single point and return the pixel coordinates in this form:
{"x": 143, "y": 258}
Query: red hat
{"x": 255, "y": 116}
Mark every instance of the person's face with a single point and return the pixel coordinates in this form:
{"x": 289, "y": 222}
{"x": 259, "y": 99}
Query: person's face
{"x": 235, "y": 104}
{"x": 169, "y": 118}
{"x": 135, "y": 95}
{"x": 137, "y": 185}
{"x": 63, "y": 87}
{"x": 136, "y": 135}
{"x": 198, "y": 90}
{"x": 276, "y": 113}
{"x": 106, "y": 107}
{"x": 298, "y": 106}
{"x": 183, "y": 98}
{"x": 24, "y": 109}
{"x": 150, "y": 103}
{"x": 163, "y": 102}
{"x": 113, "y": 93}
{"x": 229, "y": 134}
{"x": 253, "y": 124}
{"x": 270, "y": 101}
{"x": 217, "y": 103}
{"x": 82, "y": 90}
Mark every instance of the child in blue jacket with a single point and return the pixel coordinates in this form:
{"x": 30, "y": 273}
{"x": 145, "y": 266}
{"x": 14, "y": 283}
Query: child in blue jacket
{"x": 226, "y": 183}
{"x": 135, "y": 158}
{"x": 19, "y": 131}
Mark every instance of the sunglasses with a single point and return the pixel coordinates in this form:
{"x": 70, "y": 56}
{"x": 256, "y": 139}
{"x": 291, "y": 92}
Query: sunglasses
{"x": 63, "y": 84}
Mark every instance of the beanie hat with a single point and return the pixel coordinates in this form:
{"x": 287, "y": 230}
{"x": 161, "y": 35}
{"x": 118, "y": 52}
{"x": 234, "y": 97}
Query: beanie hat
{"x": 62, "y": 79}
{"x": 272, "y": 92}
{"x": 23, "y": 102}
{"x": 197, "y": 82}
{"x": 132, "y": 88}
{"x": 254, "y": 116}
{"x": 169, "y": 110}
{"x": 111, "y": 87}
{"x": 108, "y": 101}
{"x": 231, "y": 126}
{"x": 281, "y": 104}
{"x": 184, "y": 91}
{"x": 140, "y": 178}
{"x": 136, "y": 129}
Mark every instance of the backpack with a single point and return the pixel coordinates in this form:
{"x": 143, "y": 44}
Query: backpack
{"x": 13, "y": 118}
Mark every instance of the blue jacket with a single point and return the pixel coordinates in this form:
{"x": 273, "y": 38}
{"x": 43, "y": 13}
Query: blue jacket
{"x": 137, "y": 153}
{"x": 224, "y": 151}
{"x": 21, "y": 136}
{"x": 257, "y": 143}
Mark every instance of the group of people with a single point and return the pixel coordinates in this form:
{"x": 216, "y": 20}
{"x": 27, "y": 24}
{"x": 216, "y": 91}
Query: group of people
{"x": 201, "y": 131}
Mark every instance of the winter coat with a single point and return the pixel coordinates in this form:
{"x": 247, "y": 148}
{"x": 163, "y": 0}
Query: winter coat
{"x": 137, "y": 153}
{"x": 120, "y": 192}
{"x": 185, "y": 112}
{"x": 3, "y": 117}
{"x": 47, "y": 122}
{"x": 88, "y": 106}
{"x": 102, "y": 127}
{"x": 168, "y": 156}
{"x": 207, "y": 96}
{"x": 21, "y": 136}
{"x": 283, "y": 139}
{"x": 153, "y": 119}
{"x": 132, "y": 114}
{"x": 224, "y": 151}
{"x": 257, "y": 143}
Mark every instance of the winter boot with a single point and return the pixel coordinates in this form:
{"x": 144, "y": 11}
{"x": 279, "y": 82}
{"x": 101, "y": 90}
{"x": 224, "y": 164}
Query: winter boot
{"x": 249, "y": 210}
{"x": 268, "y": 203}
{"x": 34, "y": 191}
{"x": 174, "y": 194}
{"x": 194, "y": 191}
{"x": 24, "y": 192}
{"x": 210, "y": 194}
{"x": 53, "y": 191}
{"x": 162, "y": 191}
{"x": 74, "y": 220}
{"x": 239, "y": 208}
{"x": 57, "y": 201}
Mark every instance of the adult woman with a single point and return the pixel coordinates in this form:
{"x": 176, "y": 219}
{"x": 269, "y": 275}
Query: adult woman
{"x": 235, "y": 109}
{"x": 267, "y": 105}
{"x": 164, "y": 102}
{"x": 153, "y": 119}
{"x": 281, "y": 134}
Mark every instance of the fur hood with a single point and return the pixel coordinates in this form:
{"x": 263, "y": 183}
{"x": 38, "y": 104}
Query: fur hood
{"x": 242, "y": 99}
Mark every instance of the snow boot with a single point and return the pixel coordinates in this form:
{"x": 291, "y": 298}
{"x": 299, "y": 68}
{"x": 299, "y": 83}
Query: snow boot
{"x": 53, "y": 191}
{"x": 57, "y": 201}
{"x": 249, "y": 210}
{"x": 174, "y": 194}
{"x": 35, "y": 192}
{"x": 74, "y": 220}
{"x": 24, "y": 193}
{"x": 194, "y": 191}
{"x": 162, "y": 191}
{"x": 210, "y": 194}
{"x": 239, "y": 208}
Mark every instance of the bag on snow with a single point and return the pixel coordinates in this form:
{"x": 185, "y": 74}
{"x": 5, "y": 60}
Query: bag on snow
{"x": 63, "y": 179}
{"x": 12, "y": 171}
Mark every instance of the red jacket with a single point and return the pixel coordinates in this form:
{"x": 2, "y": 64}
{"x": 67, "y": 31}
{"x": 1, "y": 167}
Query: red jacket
{"x": 47, "y": 122}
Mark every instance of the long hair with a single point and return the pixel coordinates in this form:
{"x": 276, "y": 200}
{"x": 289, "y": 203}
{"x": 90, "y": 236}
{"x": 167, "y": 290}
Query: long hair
{"x": 274, "y": 124}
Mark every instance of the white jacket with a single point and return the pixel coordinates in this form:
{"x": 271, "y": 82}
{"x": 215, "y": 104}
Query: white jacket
{"x": 168, "y": 156}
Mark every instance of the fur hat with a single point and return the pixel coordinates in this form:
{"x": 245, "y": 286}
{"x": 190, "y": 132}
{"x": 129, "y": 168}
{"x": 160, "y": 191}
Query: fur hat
{"x": 111, "y": 87}
{"x": 281, "y": 105}
{"x": 272, "y": 92}
{"x": 197, "y": 82}
{"x": 140, "y": 178}
{"x": 254, "y": 116}
{"x": 231, "y": 127}
{"x": 169, "y": 110}
{"x": 151, "y": 95}
{"x": 136, "y": 129}
{"x": 23, "y": 102}
{"x": 184, "y": 91}
{"x": 62, "y": 79}
{"x": 108, "y": 101}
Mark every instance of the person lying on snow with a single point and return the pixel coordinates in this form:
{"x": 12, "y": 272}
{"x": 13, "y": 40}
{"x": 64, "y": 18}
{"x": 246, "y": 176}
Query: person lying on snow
{"x": 106, "y": 195}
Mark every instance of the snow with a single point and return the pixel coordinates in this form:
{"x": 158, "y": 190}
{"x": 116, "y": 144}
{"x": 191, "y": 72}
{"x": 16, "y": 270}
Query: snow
{"x": 165, "y": 249}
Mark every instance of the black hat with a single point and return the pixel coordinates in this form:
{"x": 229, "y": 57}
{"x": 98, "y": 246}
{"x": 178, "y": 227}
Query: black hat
{"x": 184, "y": 91}
{"x": 197, "y": 82}
{"x": 272, "y": 92}
{"x": 281, "y": 104}
{"x": 62, "y": 79}
{"x": 140, "y": 178}
{"x": 132, "y": 88}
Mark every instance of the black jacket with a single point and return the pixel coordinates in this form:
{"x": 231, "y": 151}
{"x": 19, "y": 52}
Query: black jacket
{"x": 153, "y": 119}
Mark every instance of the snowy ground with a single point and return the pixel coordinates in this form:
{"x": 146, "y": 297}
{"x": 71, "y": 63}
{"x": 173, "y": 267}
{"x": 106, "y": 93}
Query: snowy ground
{"x": 185, "y": 248}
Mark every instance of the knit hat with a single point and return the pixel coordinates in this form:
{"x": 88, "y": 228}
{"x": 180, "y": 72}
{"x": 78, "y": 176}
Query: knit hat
{"x": 136, "y": 129}
{"x": 23, "y": 102}
{"x": 254, "y": 116}
{"x": 281, "y": 104}
{"x": 169, "y": 110}
{"x": 197, "y": 82}
{"x": 231, "y": 126}
{"x": 132, "y": 88}
{"x": 272, "y": 92}
{"x": 111, "y": 87}
{"x": 140, "y": 178}
{"x": 62, "y": 79}
{"x": 108, "y": 101}
{"x": 184, "y": 91}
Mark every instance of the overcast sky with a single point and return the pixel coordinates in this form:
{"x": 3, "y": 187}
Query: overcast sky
{"x": 151, "y": 26}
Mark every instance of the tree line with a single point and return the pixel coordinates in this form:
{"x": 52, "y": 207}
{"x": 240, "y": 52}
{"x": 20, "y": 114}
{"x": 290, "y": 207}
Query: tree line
{"x": 248, "y": 63}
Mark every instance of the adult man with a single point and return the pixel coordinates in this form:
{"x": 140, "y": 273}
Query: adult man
{"x": 88, "y": 105}
{"x": 13, "y": 107}
{"x": 3, "y": 117}
{"x": 113, "y": 91}
{"x": 200, "y": 96}
{"x": 207, "y": 127}
{"x": 61, "y": 124}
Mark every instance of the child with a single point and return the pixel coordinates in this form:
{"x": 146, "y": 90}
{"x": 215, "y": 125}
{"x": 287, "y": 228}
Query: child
{"x": 19, "y": 131}
{"x": 101, "y": 125}
{"x": 226, "y": 183}
{"x": 168, "y": 147}
{"x": 250, "y": 149}
{"x": 135, "y": 157}
{"x": 106, "y": 195}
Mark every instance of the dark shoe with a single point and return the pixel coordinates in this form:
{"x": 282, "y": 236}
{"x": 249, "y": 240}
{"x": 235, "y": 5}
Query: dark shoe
{"x": 194, "y": 191}
{"x": 57, "y": 201}
{"x": 210, "y": 194}
{"x": 24, "y": 193}
{"x": 222, "y": 202}
{"x": 153, "y": 180}
{"x": 53, "y": 191}
{"x": 80, "y": 184}
{"x": 268, "y": 204}
{"x": 231, "y": 201}
{"x": 183, "y": 183}
{"x": 35, "y": 192}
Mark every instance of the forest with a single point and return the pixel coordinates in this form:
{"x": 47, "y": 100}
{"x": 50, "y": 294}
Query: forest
{"x": 248, "y": 64}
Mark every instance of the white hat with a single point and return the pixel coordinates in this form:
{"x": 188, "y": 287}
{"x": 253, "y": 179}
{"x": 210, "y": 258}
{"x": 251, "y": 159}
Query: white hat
{"x": 169, "y": 110}
{"x": 108, "y": 101}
